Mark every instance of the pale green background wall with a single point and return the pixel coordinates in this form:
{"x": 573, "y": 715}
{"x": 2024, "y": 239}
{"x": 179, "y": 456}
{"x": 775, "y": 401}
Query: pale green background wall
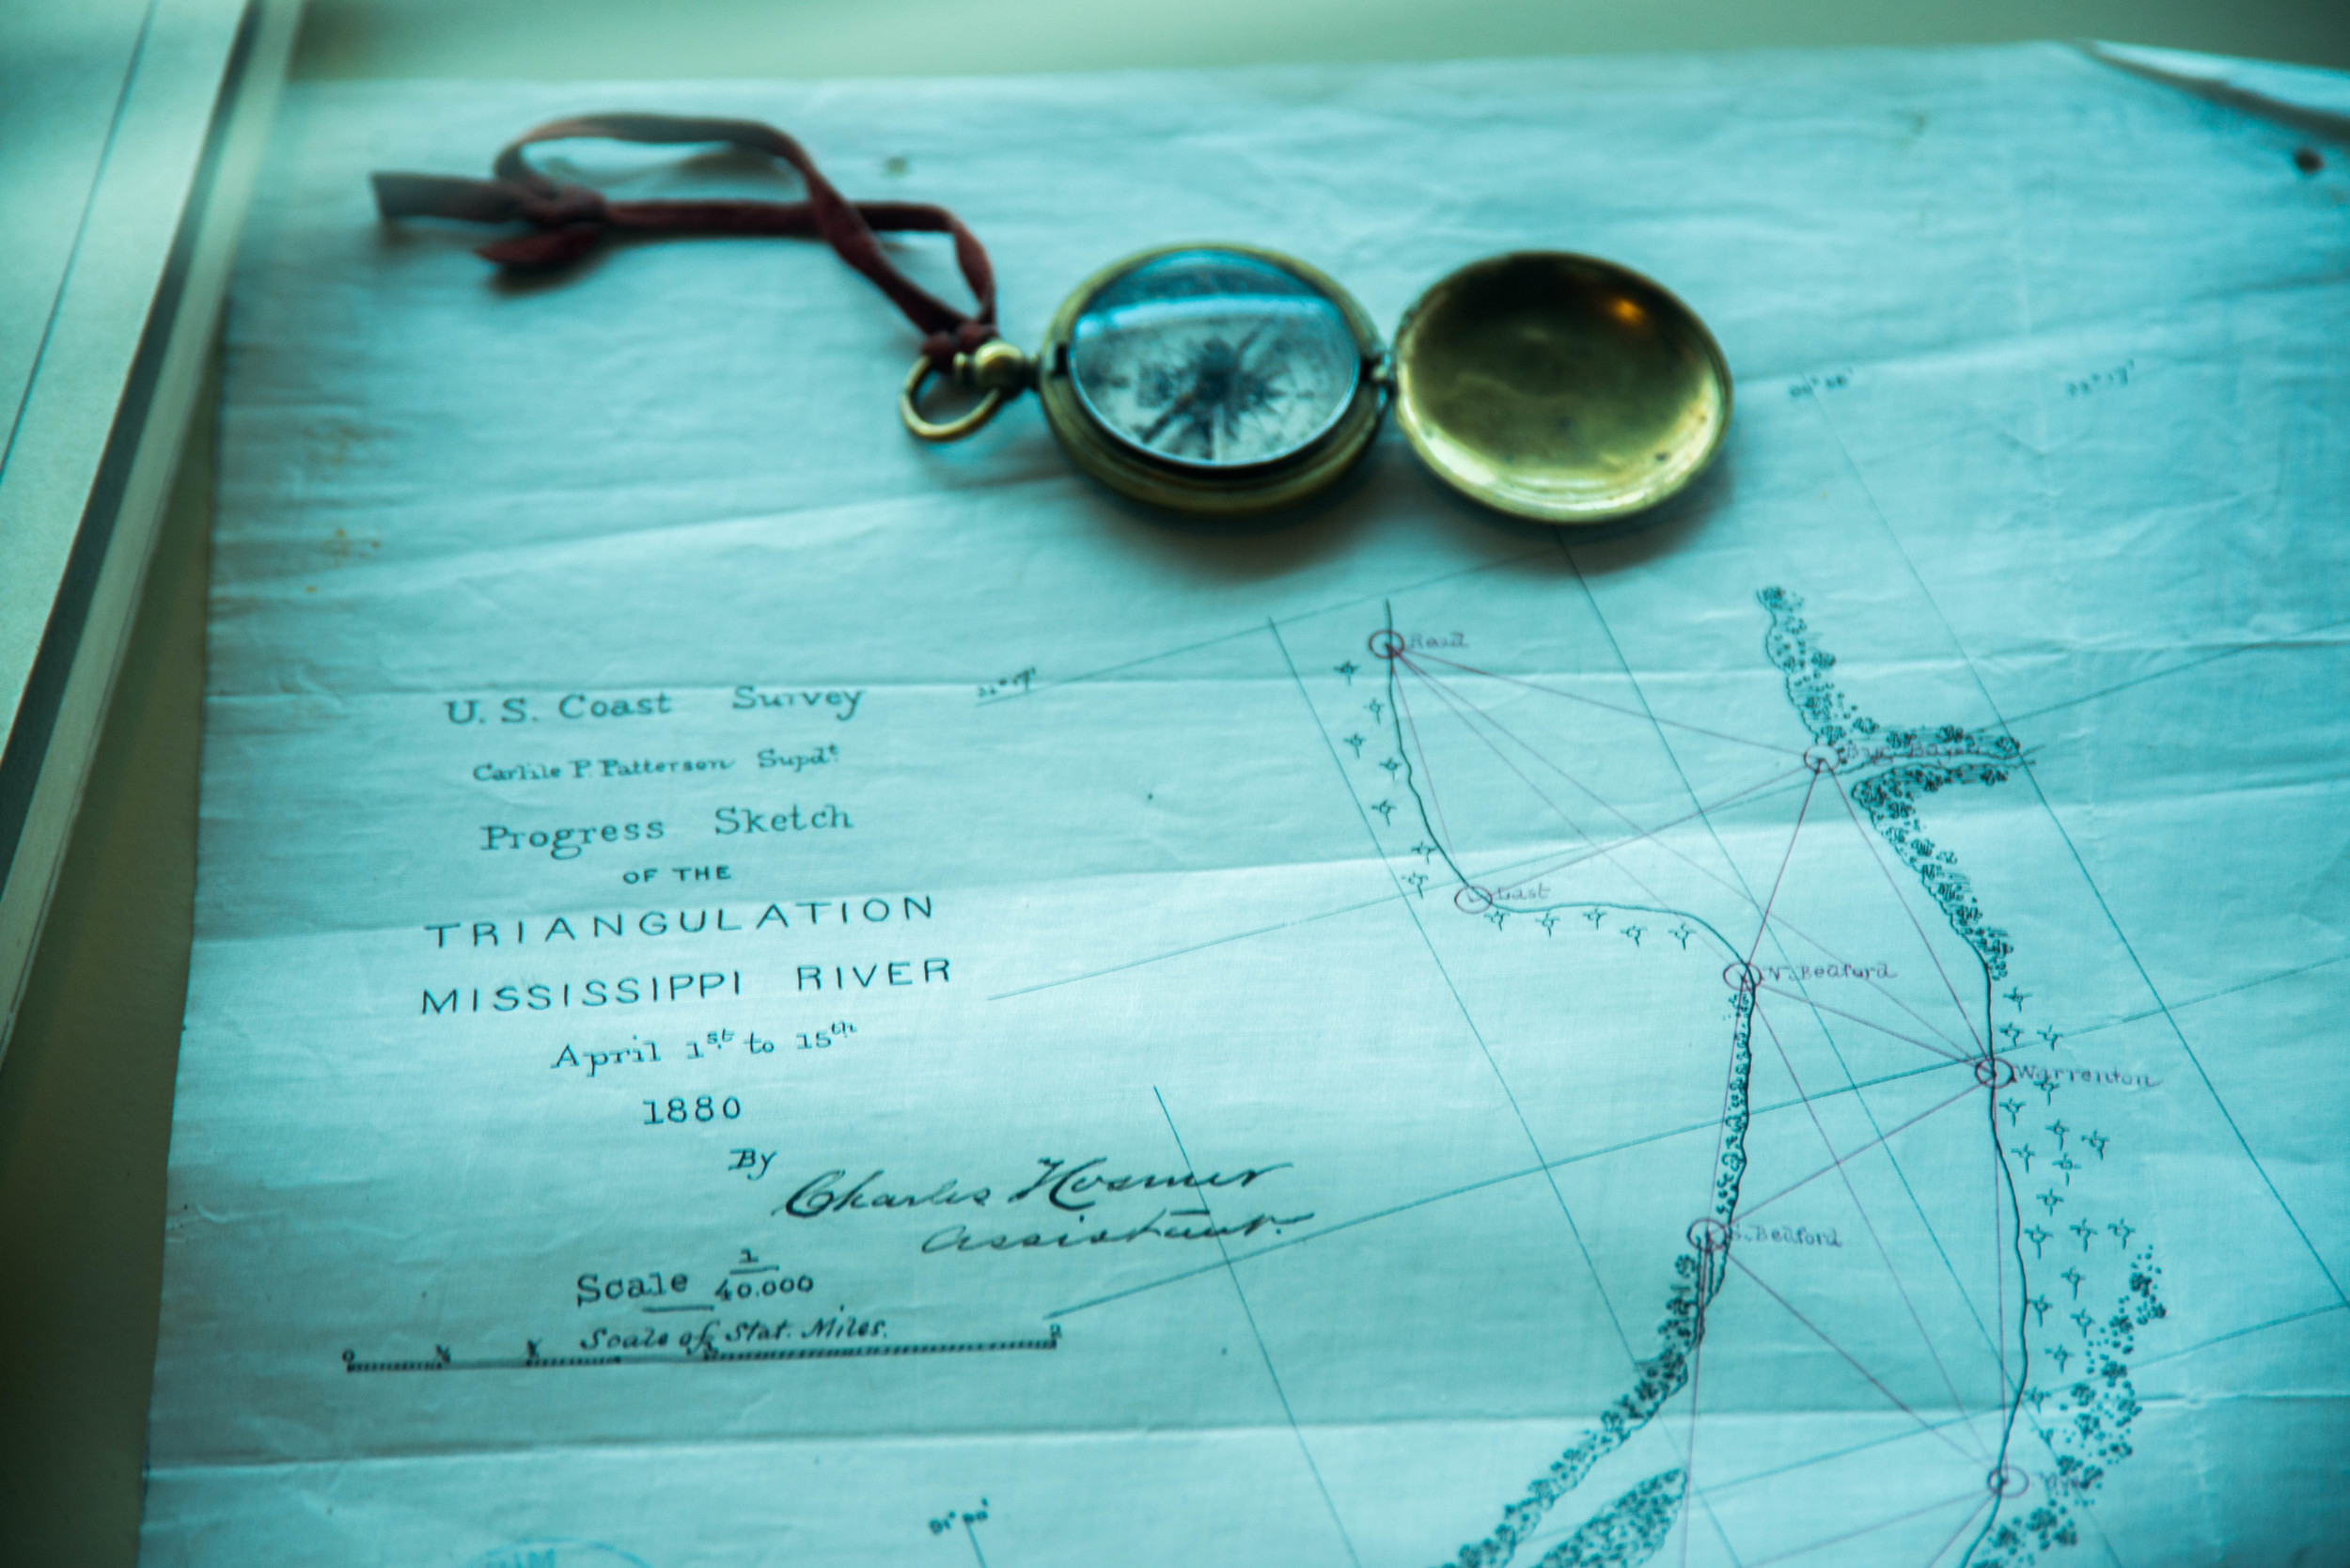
{"x": 85, "y": 1089}
{"x": 637, "y": 39}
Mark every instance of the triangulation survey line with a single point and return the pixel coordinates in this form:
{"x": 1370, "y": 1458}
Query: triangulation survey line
{"x": 1838, "y": 1163}
{"x": 1468, "y": 1189}
{"x": 1750, "y": 794}
{"x": 1932, "y": 957}
{"x": 1819, "y": 1011}
{"x": 1278, "y": 1392}
{"x": 1704, "y": 1300}
{"x": 2239, "y": 1333}
{"x": 1456, "y": 707}
{"x": 1532, "y": 1541}
{"x": 1689, "y": 1443}
{"x": 2208, "y": 997}
{"x": 2129, "y": 948}
{"x": 1395, "y": 897}
{"x": 2001, "y": 1176}
{"x": 1906, "y": 1435}
{"x": 1665, "y": 743}
{"x": 1374, "y": 902}
{"x": 2292, "y": 639}
{"x": 1854, "y": 1085}
{"x": 1452, "y": 845}
{"x": 2012, "y": 1386}
{"x": 1629, "y": 713}
{"x": 1765, "y": 923}
{"x": 1608, "y": 852}
{"x": 1578, "y": 858}
{"x": 1828, "y": 1034}
{"x": 1652, "y": 1393}
{"x": 2023, "y": 1370}
{"x": 1835, "y": 1163}
{"x": 1461, "y": 707}
{"x": 1427, "y": 771}
{"x": 1871, "y": 1022}
{"x": 1444, "y": 696}
{"x": 1251, "y": 630}
{"x": 1202, "y": 947}
{"x": 1988, "y": 1499}
{"x": 1330, "y": 746}
{"x": 1975, "y": 1493}
{"x": 1504, "y": 759}
{"x": 1639, "y": 694}
{"x": 1750, "y": 1210}
{"x": 1782, "y": 922}
{"x": 1735, "y": 1070}
{"x": 1700, "y": 810}
{"x": 1719, "y": 1534}
{"x": 1939, "y": 1436}
{"x": 1395, "y": 695}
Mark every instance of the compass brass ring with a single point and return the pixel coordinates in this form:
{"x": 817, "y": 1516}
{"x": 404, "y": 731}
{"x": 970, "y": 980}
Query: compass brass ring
{"x": 910, "y": 407}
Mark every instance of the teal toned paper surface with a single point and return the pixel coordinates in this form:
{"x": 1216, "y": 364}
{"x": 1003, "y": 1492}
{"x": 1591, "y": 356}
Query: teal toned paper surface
{"x": 770, "y": 995}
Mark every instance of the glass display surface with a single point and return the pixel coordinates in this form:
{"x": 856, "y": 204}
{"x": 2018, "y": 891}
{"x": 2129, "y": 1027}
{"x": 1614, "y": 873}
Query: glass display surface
{"x": 1214, "y": 358}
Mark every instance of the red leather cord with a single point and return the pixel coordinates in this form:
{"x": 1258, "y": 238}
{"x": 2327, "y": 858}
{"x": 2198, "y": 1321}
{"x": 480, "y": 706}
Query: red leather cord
{"x": 570, "y": 219}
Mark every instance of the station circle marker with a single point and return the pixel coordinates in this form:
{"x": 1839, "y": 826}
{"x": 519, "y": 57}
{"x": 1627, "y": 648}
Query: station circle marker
{"x": 2007, "y": 1481}
{"x": 1994, "y": 1072}
{"x": 1473, "y": 901}
{"x": 1820, "y": 759}
{"x": 1741, "y": 976}
{"x": 1386, "y": 644}
{"x": 1709, "y": 1235}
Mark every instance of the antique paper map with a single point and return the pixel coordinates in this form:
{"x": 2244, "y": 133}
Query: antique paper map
{"x": 770, "y": 995}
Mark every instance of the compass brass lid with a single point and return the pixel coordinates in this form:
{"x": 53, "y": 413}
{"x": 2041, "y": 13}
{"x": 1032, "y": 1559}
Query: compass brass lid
{"x": 1560, "y": 387}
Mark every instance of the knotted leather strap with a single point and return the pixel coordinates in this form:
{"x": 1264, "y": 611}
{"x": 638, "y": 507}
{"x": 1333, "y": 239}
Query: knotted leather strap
{"x": 570, "y": 219}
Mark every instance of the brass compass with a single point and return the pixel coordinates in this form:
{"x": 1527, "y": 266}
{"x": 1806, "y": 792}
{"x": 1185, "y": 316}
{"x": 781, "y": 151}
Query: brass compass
{"x": 1216, "y": 378}
{"x": 1223, "y": 379}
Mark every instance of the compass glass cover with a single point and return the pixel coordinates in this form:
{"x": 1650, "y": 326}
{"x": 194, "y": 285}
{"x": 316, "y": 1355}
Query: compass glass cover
{"x": 1214, "y": 360}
